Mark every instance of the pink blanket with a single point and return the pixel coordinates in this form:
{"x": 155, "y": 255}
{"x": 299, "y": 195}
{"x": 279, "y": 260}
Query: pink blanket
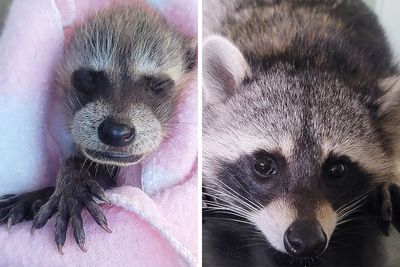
{"x": 153, "y": 214}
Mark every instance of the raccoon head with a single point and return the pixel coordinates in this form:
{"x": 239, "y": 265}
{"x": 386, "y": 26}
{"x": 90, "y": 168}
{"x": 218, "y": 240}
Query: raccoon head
{"x": 122, "y": 76}
{"x": 293, "y": 152}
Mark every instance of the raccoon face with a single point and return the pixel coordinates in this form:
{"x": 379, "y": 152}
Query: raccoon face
{"x": 122, "y": 76}
{"x": 294, "y": 153}
{"x": 296, "y": 210}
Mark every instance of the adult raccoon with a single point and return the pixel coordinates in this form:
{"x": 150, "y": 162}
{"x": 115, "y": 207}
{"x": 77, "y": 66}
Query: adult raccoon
{"x": 298, "y": 132}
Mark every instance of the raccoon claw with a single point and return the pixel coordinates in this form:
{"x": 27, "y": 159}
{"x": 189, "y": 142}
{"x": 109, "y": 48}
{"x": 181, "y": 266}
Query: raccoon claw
{"x": 97, "y": 191}
{"x": 82, "y": 247}
{"x": 68, "y": 206}
{"x": 60, "y": 249}
{"x": 45, "y": 212}
{"x": 15, "y": 215}
{"x": 33, "y": 229}
{"x": 69, "y": 210}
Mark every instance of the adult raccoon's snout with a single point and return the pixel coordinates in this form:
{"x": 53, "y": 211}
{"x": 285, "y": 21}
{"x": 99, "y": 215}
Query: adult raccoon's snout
{"x": 305, "y": 238}
{"x": 289, "y": 229}
{"x": 116, "y": 134}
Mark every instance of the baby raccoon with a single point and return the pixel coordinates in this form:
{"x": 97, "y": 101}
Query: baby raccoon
{"x": 298, "y": 136}
{"x": 121, "y": 76}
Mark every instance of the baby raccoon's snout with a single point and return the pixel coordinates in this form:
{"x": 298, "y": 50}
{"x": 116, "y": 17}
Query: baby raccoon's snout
{"x": 116, "y": 138}
{"x": 305, "y": 238}
{"x": 115, "y": 133}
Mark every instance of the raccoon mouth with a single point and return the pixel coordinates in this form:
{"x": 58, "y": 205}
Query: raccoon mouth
{"x": 112, "y": 157}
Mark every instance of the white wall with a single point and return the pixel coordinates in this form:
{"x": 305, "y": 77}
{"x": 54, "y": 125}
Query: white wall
{"x": 388, "y": 12}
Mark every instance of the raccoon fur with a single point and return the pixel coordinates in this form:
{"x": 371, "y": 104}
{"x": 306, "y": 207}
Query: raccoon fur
{"x": 299, "y": 143}
{"x": 121, "y": 75}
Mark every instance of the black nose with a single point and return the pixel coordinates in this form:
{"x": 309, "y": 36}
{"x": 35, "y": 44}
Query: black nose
{"x": 113, "y": 133}
{"x": 305, "y": 238}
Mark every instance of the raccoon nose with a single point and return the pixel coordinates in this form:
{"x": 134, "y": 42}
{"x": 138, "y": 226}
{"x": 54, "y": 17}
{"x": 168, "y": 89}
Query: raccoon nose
{"x": 305, "y": 238}
{"x": 115, "y": 134}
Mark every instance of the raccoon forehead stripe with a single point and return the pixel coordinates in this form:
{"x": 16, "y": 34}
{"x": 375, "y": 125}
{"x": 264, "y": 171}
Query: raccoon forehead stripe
{"x": 232, "y": 146}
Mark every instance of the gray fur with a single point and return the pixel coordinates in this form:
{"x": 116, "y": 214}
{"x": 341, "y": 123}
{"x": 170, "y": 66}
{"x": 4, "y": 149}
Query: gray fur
{"x": 309, "y": 91}
{"x": 127, "y": 44}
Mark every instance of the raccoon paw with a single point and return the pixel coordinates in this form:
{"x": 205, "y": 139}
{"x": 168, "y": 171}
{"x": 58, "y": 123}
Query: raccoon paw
{"x": 17, "y": 208}
{"x": 388, "y": 197}
{"x": 68, "y": 205}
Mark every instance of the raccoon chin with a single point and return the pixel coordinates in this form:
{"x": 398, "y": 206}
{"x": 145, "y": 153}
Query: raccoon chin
{"x": 112, "y": 158}
{"x": 287, "y": 259}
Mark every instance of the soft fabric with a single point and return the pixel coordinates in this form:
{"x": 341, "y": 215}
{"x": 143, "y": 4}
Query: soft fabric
{"x": 153, "y": 214}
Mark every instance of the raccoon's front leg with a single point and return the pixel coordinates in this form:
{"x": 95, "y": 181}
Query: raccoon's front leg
{"x": 75, "y": 189}
{"x": 17, "y": 208}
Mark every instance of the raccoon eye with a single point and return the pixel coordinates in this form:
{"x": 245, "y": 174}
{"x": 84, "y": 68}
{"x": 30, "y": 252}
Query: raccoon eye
{"x": 336, "y": 170}
{"x": 265, "y": 165}
{"x": 86, "y": 80}
{"x": 159, "y": 85}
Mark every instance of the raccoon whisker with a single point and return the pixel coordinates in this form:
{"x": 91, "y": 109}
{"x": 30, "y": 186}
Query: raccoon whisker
{"x": 252, "y": 244}
{"x": 346, "y": 191}
{"x": 351, "y": 202}
{"x": 348, "y": 220}
{"x": 256, "y": 202}
{"x": 182, "y": 122}
{"x": 173, "y": 133}
{"x": 255, "y": 206}
{"x": 83, "y": 165}
{"x": 255, "y": 244}
{"x": 91, "y": 162}
{"x": 256, "y": 235}
{"x": 347, "y": 206}
{"x": 236, "y": 220}
{"x": 169, "y": 140}
{"x": 96, "y": 169}
{"x": 232, "y": 207}
{"x": 338, "y": 198}
{"x": 224, "y": 192}
{"x": 349, "y": 211}
{"x": 224, "y": 208}
{"x": 232, "y": 211}
{"x": 108, "y": 170}
{"x": 240, "y": 217}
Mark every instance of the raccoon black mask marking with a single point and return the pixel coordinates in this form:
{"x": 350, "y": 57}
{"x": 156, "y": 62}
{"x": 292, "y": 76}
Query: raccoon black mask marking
{"x": 294, "y": 104}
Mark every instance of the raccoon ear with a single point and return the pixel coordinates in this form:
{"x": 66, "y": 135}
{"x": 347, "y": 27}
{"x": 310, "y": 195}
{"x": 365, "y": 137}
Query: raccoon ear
{"x": 387, "y": 198}
{"x": 224, "y": 69}
{"x": 190, "y": 55}
{"x": 391, "y": 94}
